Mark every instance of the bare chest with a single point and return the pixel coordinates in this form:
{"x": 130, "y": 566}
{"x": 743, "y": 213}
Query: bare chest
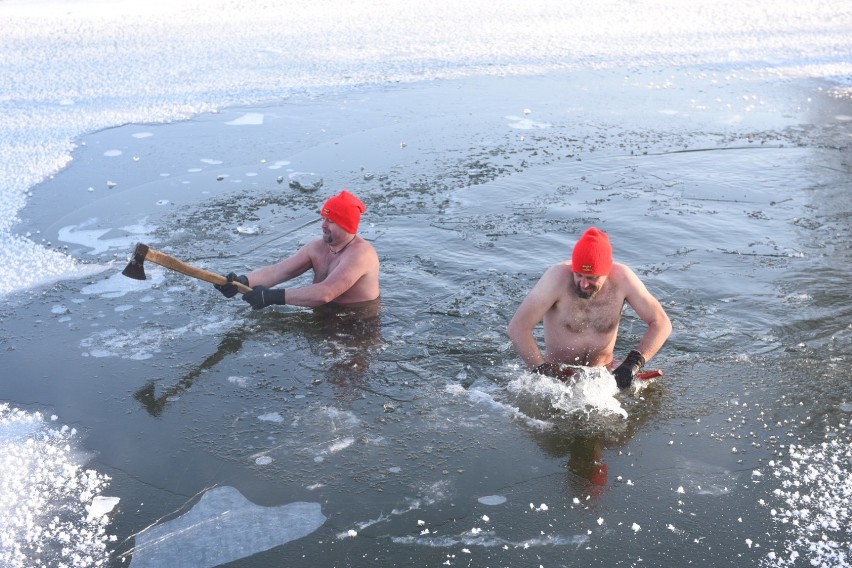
{"x": 600, "y": 314}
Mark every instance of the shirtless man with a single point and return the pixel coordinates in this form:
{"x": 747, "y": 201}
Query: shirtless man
{"x": 580, "y": 304}
{"x": 345, "y": 266}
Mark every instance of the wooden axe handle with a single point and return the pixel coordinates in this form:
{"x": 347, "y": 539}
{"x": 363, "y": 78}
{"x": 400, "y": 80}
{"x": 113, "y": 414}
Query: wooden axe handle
{"x": 163, "y": 259}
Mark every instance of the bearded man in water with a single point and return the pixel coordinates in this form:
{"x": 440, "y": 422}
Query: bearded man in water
{"x": 580, "y": 303}
{"x": 345, "y": 266}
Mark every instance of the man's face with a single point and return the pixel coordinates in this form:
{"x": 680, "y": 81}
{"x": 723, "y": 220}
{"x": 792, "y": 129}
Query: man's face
{"x": 331, "y": 231}
{"x": 587, "y": 285}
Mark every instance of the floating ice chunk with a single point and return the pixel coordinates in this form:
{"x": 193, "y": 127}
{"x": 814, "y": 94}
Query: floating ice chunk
{"x": 307, "y": 182}
{"x": 248, "y": 119}
{"x": 271, "y": 417}
{"x": 636, "y": 527}
{"x": 241, "y": 382}
{"x": 223, "y": 527}
{"x": 113, "y": 153}
{"x": 492, "y": 500}
{"x": 101, "y": 506}
{"x": 520, "y": 123}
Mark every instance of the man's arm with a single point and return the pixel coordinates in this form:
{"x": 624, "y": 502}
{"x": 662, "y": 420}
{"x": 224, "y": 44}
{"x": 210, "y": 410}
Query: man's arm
{"x": 528, "y": 315}
{"x": 339, "y": 281}
{"x": 284, "y": 270}
{"x": 652, "y": 313}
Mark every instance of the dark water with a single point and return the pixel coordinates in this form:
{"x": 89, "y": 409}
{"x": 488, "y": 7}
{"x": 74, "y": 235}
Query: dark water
{"x": 405, "y": 427}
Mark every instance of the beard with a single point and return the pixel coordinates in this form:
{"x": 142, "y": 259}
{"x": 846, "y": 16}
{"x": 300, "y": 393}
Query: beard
{"x": 327, "y": 238}
{"x": 586, "y": 294}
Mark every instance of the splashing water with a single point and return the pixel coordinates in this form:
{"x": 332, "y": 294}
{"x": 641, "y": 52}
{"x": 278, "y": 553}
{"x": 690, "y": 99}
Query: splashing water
{"x": 590, "y": 391}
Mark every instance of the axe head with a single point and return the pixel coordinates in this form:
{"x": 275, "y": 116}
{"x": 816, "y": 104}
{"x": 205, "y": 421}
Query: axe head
{"x": 136, "y": 268}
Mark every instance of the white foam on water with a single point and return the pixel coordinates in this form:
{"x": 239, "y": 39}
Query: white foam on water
{"x": 52, "y": 512}
{"x": 223, "y": 527}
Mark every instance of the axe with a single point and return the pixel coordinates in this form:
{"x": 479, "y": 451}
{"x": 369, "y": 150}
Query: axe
{"x": 136, "y": 268}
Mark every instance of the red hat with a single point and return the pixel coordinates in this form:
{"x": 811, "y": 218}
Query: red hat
{"x": 344, "y": 209}
{"x": 592, "y": 253}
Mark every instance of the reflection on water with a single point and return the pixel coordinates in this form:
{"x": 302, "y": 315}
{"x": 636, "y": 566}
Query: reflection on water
{"x": 353, "y": 331}
{"x": 595, "y": 422}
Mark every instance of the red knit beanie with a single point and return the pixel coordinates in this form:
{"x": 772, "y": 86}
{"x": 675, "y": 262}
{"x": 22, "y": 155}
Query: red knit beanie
{"x": 344, "y": 209}
{"x": 592, "y": 253}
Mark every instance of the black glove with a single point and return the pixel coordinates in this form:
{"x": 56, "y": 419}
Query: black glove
{"x": 261, "y": 296}
{"x": 229, "y": 290}
{"x": 625, "y": 372}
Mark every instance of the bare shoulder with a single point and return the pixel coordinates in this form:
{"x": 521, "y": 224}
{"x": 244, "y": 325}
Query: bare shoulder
{"x": 553, "y": 281}
{"x": 627, "y": 282}
{"x": 558, "y": 272}
{"x": 363, "y": 251}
